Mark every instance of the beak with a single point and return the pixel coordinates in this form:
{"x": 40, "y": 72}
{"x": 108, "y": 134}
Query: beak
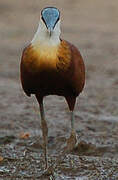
{"x": 50, "y": 31}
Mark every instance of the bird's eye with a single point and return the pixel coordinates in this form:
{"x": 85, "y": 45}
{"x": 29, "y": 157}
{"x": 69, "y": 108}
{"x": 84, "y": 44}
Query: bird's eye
{"x": 42, "y": 18}
{"x": 57, "y": 19}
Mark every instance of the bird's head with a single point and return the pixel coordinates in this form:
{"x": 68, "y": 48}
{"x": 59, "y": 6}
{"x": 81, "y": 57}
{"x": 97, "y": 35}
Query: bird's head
{"x": 48, "y": 31}
{"x": 50, "y": 19}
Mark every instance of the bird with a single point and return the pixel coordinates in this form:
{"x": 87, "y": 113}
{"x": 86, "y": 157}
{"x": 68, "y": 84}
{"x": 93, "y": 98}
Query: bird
{"x": 52, "y": 66}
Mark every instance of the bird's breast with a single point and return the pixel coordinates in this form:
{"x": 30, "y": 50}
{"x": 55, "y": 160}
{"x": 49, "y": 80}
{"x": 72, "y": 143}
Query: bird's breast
{"x": 39, "y": 58}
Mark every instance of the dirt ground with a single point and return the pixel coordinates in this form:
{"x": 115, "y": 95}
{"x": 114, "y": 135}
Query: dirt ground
{"x": 93, "y": 27}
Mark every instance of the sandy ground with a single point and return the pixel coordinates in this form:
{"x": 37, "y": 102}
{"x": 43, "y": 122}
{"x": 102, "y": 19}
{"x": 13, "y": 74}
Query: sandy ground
{"x": 93, "y": 27}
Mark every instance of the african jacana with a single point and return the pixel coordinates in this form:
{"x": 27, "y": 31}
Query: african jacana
{"x": 52, "y": 66}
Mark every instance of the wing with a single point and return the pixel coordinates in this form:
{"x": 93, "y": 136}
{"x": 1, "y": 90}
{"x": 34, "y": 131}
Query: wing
{"x": 79, "y": 69}
{"x": 24, "y": 74}
{"x": 75, "y": 73}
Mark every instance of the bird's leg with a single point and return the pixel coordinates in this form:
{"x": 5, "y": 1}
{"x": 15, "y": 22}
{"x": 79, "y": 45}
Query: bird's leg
{"x": 72, "y": 120}
{"x": 71, "y": 142}
{"x": 44, "y": 132}
{"x": 44, "y": 129}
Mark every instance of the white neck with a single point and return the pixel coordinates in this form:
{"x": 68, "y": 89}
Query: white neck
{"x": 42, "y": 37}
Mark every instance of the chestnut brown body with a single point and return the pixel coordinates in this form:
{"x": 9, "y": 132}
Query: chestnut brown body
{"x": 51, "y": 66}
{"x": 63, "y": 76}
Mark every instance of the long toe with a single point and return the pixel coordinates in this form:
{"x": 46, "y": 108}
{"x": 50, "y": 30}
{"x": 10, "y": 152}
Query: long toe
{"x": 71, "y": 142}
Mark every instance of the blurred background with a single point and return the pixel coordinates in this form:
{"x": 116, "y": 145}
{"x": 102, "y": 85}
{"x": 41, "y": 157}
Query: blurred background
{"x": 93, "y": 27}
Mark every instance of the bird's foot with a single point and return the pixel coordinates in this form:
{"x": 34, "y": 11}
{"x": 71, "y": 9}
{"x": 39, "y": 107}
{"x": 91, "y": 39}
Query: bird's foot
{"x": 45, "y": 155}
{"x": 71, "y": 142}
{"x": 48, "y": 171}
